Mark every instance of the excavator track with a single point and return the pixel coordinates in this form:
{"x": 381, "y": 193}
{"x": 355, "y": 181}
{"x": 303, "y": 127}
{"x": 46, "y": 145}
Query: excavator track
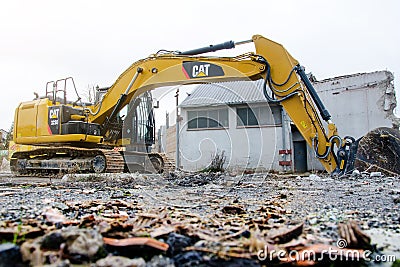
{"x": 50, "y": 160}
{"x": 115, "y": 161}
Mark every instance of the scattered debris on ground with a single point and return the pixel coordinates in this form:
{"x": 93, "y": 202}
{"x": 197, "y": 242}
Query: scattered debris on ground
{"x": 184, "y": 219}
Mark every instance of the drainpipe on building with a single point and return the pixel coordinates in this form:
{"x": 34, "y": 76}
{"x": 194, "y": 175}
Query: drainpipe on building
{"x": 291, "y": 157}
{"x": 283, "y": 136}
{"x": 167, "y": 120}
{"x": 287, "y": 155}
{"x": 177, "y": 158}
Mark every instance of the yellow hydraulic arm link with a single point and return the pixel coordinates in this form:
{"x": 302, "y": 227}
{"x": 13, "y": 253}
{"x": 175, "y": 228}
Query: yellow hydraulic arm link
{"x": 285, "y": 82}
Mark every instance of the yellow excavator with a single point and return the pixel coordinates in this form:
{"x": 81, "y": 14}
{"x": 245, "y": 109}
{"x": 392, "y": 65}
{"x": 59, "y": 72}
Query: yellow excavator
{"x": 83, "y": 136}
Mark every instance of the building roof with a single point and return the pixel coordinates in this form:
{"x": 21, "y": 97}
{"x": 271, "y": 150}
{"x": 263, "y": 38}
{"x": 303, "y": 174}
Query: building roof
{"x": 375, "y": 75}
{"x": 215, "y": 94}
{"x": 355, "y": 81}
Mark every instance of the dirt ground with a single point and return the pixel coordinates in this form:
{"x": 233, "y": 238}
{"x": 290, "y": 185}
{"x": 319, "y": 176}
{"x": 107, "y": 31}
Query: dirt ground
{"x": 214, "y": 211}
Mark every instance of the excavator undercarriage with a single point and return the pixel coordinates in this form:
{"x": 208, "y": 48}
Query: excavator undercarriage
{"x": 67, "y": 160}
{"x": 61, "y": 160}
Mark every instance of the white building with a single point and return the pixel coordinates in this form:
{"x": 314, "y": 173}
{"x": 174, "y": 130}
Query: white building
{"x": 235, "y": 118}
{"x": 231, "y": 117}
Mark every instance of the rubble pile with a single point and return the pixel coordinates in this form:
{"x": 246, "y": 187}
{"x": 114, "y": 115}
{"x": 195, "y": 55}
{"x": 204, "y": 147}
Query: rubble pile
{"x": 379, "y": 150}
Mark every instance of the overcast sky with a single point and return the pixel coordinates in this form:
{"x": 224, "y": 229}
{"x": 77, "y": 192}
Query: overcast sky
{"x": 95, "y": 41}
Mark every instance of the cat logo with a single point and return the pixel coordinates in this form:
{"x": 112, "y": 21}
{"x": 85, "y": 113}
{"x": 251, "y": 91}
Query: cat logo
{"x": 54, "y": 113}
{"x": 54, "y": 120}
{"x": 200, "y": 70}
{"x": 197, "y": 69}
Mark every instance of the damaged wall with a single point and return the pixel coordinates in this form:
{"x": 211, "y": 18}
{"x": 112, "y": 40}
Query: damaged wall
{"x": 358, "y": 104}
{"x": 361, "y": 102}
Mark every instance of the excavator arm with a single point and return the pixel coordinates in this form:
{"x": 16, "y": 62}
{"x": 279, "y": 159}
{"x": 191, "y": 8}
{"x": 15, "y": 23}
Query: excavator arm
{"x": 285, "y": 83}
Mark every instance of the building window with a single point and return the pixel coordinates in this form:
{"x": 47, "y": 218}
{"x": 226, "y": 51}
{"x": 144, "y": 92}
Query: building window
{"x": 206, "y": 119}
{"x": 259, "y": 116}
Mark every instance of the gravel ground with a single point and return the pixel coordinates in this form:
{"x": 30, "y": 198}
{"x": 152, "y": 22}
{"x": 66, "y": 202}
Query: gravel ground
{"x": 321, "y": 202}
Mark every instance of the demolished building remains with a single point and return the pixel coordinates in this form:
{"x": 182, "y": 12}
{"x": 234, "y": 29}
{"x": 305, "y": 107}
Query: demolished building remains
{"x": 255, "y": 135}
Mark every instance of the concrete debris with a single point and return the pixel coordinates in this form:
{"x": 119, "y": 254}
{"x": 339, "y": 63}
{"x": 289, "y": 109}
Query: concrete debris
{"x": 314, "y": 177}
{"x": 118, "y": 261}
{"x": 160, "y": 261}
{"x": 82, "y": 244}
{"x": 31, "y": 252}
{"x": 54, "y": 215}
{"x": 375, "y": 174}
{"x": 76, "y": 245}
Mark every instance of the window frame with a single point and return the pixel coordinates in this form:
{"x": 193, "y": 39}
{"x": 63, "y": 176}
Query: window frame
{"x": 205, "y": 115}
{"x": 257, "y": 111}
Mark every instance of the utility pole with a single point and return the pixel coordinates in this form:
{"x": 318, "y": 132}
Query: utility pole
{"x": 177, "y": 158}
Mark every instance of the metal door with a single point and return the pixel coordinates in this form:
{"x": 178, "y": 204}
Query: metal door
{"x": 300, "y": 156}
